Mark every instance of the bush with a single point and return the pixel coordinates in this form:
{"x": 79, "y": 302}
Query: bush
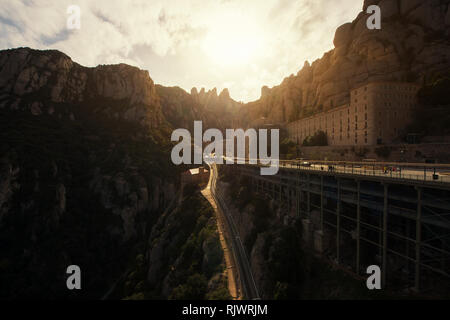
{"x": 319, "y": 139}
{"x": 195, "y": 288}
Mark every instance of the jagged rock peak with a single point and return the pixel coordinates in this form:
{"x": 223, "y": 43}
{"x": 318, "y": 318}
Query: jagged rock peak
{"x": 225, "y": 94}
{"x": 265, "y": 91}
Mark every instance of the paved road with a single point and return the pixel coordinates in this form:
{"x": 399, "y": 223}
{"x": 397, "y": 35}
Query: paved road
{"x": 249, "y": 288}
{"x": 403, "y": 174}
{"x": 402, "y": 171}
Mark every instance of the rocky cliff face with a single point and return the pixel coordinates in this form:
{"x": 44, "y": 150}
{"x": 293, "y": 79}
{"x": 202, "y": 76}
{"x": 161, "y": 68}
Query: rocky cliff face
{"x": 216, "y": 103}
{"x": 86, "y": 179}
{"x": 85, "y": 171}
{"x": 412, "y": 45}
{"x": 181, "y": 109}
{"x": 43, "y": 81}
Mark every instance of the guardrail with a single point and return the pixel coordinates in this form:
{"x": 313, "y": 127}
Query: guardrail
{"x": 401, "y": 171}
{"x": 389, "y": 173}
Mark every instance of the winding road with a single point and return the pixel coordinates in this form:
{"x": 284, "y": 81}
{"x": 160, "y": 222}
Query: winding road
{"x": 244, "y": 273}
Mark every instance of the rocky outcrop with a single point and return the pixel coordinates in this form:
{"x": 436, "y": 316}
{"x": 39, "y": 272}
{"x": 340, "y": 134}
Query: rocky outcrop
{"x": 84, "y": 170}
{"x": 181, "y": 109}
{"x": 185, "y": 242}
{"x": 8, "y": 184}
{"x": 412, "y": 45}
{"x": 43, "y": 81}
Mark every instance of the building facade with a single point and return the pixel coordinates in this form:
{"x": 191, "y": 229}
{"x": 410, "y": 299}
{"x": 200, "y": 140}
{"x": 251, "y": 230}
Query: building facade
{"x": 377, "y": 113}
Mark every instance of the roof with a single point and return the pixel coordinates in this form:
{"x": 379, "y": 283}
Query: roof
{"x": 196, "y": 171}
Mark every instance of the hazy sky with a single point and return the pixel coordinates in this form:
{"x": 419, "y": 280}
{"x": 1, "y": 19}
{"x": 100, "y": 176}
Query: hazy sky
{"x": 238, "y": 44}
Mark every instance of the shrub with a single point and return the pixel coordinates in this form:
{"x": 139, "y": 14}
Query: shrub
{"x": 319, "y": 139}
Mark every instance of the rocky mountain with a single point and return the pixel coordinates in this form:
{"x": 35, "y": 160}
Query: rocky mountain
{"x": 222, "y": 104}
{"x": 85, "y": 175}
{"x": 46, "y": 82}
{"x": 181, "y": 109}
{"x": 412, "y": 45}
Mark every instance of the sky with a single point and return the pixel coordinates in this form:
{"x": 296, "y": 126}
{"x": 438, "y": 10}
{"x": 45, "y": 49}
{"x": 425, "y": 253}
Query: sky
{"x": 241, "y": 45}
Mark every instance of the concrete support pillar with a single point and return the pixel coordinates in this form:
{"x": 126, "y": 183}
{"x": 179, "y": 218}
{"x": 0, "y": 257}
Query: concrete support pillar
{"x": 321, "y": 203}
{"x": 318, "y": 241}
{"x": 308, "y": 198}
{"x": 300, "y": 193}
{"x": 297, "y": 194}
{"x": 358, "y": 227}
{"x": 307, "y": 231}
{"x": 418, "y": 237}
{"x": 338, "y": 224}
{"x": 385, "y": 220}
{"x": 289, "y": 197}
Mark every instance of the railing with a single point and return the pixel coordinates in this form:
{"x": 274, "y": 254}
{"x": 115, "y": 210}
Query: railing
{"x": 401, "y": 171}
{"x": 403, "y": 174}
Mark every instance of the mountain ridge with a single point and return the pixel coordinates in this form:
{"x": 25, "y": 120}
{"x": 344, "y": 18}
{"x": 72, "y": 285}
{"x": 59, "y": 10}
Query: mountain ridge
{"x": 413, "y": 45}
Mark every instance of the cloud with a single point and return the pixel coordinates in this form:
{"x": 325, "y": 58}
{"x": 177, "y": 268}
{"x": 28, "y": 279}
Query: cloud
{"x": 170, "y": 38}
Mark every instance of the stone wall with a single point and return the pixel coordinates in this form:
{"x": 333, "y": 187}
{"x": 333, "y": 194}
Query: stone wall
{"x": 410, "y": 153}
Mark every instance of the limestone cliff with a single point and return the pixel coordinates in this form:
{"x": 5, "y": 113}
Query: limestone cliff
{"x": 85, "y": 171}
{"x": 86, "y": 179}
{"x": 412, "y": 45}
{"x": 44, "y": 81}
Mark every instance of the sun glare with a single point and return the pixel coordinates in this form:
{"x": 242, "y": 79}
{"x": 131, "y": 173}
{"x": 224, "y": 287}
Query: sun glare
{"x": 233, "y": 40}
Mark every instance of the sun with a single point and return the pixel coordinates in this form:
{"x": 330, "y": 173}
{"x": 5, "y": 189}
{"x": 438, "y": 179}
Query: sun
{"x": 233, "y": 40}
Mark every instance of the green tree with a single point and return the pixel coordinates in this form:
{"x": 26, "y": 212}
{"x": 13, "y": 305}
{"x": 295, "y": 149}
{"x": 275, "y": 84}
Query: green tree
{"x": 318, "y": 139}
{"x": 195, "y": 288}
